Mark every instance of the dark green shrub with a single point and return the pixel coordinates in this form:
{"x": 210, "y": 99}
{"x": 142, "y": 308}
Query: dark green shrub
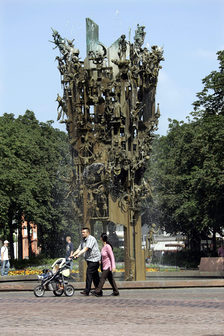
{"x": 183, "y": 259}
{"x": 118, "y": 254}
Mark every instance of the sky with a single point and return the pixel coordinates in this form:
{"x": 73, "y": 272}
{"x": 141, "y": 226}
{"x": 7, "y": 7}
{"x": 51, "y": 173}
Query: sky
{"x": 190, "y": 31}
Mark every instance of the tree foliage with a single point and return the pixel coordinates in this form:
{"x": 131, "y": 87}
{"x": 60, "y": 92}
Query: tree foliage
{"x": 34, "y": 166}
{"x": 211, "y": 98}
{"x": 187, "y": 167}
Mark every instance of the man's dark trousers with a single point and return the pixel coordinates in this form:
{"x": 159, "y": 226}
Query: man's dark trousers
{"x": 92, "y": 275}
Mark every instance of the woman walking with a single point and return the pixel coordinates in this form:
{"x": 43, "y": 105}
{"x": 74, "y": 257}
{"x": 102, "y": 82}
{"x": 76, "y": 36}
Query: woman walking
{"x": 107, "y": 266}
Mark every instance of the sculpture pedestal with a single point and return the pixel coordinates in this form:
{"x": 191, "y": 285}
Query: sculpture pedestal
{"x": 212, "y": 264}
{"x": 134, "y": 255}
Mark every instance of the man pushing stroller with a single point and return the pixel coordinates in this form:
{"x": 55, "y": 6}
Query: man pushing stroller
{"x": 90, "y": 249}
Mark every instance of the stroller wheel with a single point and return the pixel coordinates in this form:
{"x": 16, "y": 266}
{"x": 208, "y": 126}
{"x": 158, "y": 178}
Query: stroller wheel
{"x": 39, "y": 291}
{"x": 69, "y": 290}
{"x": 58, "y": 292}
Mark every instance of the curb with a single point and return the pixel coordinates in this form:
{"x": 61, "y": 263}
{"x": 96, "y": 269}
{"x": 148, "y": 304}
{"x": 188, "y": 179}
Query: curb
{"x": 151, "y": 284}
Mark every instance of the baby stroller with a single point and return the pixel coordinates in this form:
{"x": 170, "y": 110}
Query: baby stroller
{"x": 55, "y": 280}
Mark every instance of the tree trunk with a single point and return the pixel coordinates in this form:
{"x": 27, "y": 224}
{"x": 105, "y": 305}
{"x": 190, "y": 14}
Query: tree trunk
{"x": 20, "y": 243}
{"x": 195, "y": 242}
{"x": 105, "y": 227}
{"x": 214, "y": 250}
{"x": 29, "y": 239}
{"x": 92, "y": 228}
{"x": 11, "y": 245}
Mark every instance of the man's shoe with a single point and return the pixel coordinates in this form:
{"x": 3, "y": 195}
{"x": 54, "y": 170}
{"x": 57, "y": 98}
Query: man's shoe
{"x": 115, "y": 294}
{"x": 96, "y": 294}
{"x": 84, "y": 293}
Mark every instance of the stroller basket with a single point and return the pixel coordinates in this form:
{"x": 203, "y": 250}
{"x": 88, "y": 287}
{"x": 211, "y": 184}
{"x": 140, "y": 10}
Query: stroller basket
{"x": 66, "y": 272}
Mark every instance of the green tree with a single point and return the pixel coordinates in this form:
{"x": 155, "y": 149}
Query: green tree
{"x": 187, "y": 175}
{"x": 211, "y": 98}
{"x": 187, "y": 167}
{"x": 34, "y": 167}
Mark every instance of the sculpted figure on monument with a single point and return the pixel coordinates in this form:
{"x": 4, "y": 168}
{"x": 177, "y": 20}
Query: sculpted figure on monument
{"x": 139, "y": 36}
{"x": 60, "y": 43}
{"x": 122, "y": 47}
{"x": 73, "y": 53}
{"x": 61, "y": 65}
{"x": 62, "y": 108}
{"x": 98, "y": 56}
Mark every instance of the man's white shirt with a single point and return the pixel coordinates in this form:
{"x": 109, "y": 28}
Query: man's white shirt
{"x": 5, "y": 252}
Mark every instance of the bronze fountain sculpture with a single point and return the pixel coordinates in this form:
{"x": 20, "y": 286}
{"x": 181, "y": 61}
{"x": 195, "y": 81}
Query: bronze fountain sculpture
{"x": 108, "y": 105}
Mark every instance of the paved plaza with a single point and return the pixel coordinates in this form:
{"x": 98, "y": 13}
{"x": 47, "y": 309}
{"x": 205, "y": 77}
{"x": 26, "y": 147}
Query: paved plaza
{"x": 154, "y": 312}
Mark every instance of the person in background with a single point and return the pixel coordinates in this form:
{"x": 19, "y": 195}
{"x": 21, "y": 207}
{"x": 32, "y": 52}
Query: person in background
{"x": 221, "y": 250}
{"x": 5, "y": 259}
{"x": 90, "y": 249}
{"x": 69, "y": 250}
{"x": 107, "y": 266}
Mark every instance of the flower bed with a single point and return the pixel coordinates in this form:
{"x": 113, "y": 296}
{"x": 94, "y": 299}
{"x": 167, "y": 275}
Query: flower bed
{"x": 150, "y": 269}
{"x": 33, "y": 271}
{"x": 25, "y": 272}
